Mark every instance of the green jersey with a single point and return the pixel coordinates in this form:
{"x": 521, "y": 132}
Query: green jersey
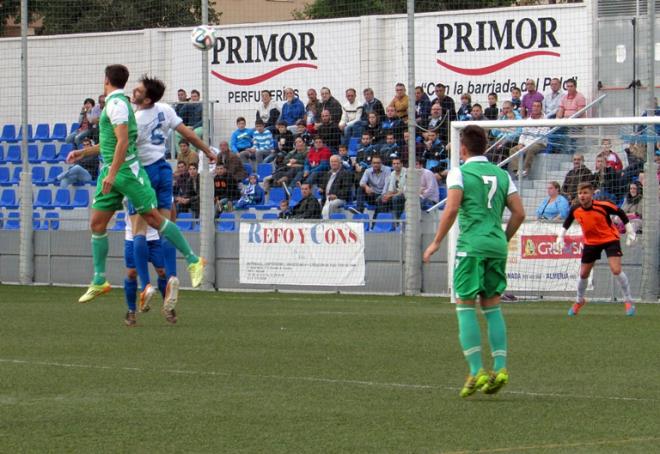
{"x": 117, "y": 111}
{"x": 485, "y": 190}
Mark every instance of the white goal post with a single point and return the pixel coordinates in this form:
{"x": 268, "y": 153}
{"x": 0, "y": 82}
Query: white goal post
{"x": 648, "y": 242}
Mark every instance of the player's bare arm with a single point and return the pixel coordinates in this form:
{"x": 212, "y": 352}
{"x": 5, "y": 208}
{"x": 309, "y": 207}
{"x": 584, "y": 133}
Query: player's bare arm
{"x": 76, "y": 155}
{"x": 121, "y": 132}
{"x": 454, "y": 199}
{"x": 515, "y": 206}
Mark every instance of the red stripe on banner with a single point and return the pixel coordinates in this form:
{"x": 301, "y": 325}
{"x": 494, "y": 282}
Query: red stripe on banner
{"x": 497, "y": 66}
{"x": 269, "y": 75}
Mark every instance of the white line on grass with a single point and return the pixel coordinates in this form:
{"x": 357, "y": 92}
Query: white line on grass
{"x": 311, "y": 379}
{"x": 558, "y": 445}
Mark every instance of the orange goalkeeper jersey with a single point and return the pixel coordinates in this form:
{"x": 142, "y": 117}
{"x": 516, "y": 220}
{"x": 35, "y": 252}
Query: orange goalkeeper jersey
{"x": 597, "y": 226}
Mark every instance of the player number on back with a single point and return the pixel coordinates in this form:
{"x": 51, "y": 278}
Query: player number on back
{"x": 490, "y": 180}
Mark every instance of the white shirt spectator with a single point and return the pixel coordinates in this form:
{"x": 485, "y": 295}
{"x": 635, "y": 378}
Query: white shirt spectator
{"x": 352, "y": 113}
{"x": 551, "y": 102}
{"x": 531, "y": 133}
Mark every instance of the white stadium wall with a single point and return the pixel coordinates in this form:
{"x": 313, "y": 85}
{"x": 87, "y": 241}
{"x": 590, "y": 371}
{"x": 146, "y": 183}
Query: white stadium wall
{"x": 478, "y": 51}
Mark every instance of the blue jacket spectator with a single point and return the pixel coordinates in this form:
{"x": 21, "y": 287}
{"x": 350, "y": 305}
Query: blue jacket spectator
{"x": 293, "y": 109}
{"x": 251, "y": 194}
{"x": 241, "y": 139}
{"x": 422, "y": 107}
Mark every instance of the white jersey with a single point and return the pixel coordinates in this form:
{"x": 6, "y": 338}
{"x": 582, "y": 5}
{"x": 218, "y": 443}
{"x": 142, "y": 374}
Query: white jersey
{"x": 152, "y": 234}
{"x": 154, "y": 127}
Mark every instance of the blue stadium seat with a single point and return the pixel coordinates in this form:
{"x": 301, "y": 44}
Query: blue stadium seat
{"x": 8, "y": 199}
{"x": 248, "y": 216}
{"x": 386, "y": 225}
{"x": 270, "y": 216}
{"x": 42, "y": 134}
{"x": 353, "y": 145}
{"x": 276, "y": 195}
{"x": 362, "y": 217}
{"x": 442, "y": 192}
{"x": 1, "y": 219}
{"x": 8, "y": 134}
{"x": 16, "y": 177}
{"x": 120, "y": 222}
{"x": 13, "y": 154}
{"x": 2, "y": 154}
{"x": 62, "y": 200}
{"x": 52, "y": 221}
{"x": 264, "y": 170}
{"x": 44, "y": 199}
{"x": 39, "y": 176}
{"x": 4, "y": 176}
{"x": 184, "y": 221}
{"x": 80, "y": 198}
{"x": 19, "y": 137}
{"x": 296, "y": 196}
{"x": 338, "y": 216}
{"x": 53, "y": 172}
{"x": 74, "y": 127}
{"x": 65, "y": 149}
{"x": 49, "y": 153}
{"x": 226, "y": 223}
{"x": 59, "y": 132}
{"x": 13, "y": 221}
{"x": 248, "y": 169}
{"x": 33, "y": 154}
{"x": 36, "y": 222}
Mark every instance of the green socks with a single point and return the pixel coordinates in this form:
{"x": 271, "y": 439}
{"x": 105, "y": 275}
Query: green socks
{"x": 174, "y": 236}
{"x": 496, "y": 335}
{"x": 469, "y": 336}
{"x": 99, "y": 254}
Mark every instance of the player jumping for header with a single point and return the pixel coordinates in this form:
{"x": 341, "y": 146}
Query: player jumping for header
{"x": 600, "y": 234}
{"x": 122, "y": 176}
{"x": 478, "y": 193}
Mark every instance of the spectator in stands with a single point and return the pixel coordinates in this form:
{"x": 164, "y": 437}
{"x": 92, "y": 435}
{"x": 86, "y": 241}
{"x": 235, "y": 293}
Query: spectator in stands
{"x": 329, "y": 131}
{"x": 477, "y": 113}
{"x": 301, "y": 131}
{"x": 232, "y": 163}
{"x": 186, "y": 154}
{"x": 336, "y": 186}
{"x": 308, "y": 207}
{"x": 84, "y": 124}
{"x": 446, "y": 102}
{"x": 241, "y": 138}
{"x": 632, "y": 206}
{"x": 225, "y": 190}
{"x": 179, "y": 106}
{"x": 350, "y": 123}
{"x": 516, "y": 98}
{"x": 394, "y": 198}
{"x": 492, "y": 112}
{"x": 366, "y": 151}
{"x": 530, "y": 98}
{"x": 400, "y": 102}
{"x": 534, "y": 138}
{"x": 463, "y": 113}
{"x": 554, "y": 207}
{"x": 84, "y": 170}
{"x": 317, "y": 162}
{"x": 194, "y": 110}
{"x": 312, "y": 111}
{"x": 346, "y": 160}
{"x": 505, "y": 138}
{"x": 569, "y": 104}
{"x": 292, "y": 110}
{"x": 552, "y": 98}
{"x": 428, "y": 187}
{"x": 283, "y": 139}
{"x": 422, "y": 107}
{"x": 371, "y": 104}
{"x": 252, "y": 194}
{"x": 611, "y": 158}
{"x": 435, "y": 156}
{"x": 373, "y": 183}
{"x": 373, "y": 128}
{"x": 180, "y": 176}
{"x": 606, "y": 182}
{"x": 329, "y": 103}
{"x": 96, "y": 116}
{"x": 188, "y": 201}
{"x": 288, "y": 168}
{"x": 403, "y": 149}
{"x": 438, "y": 123}
{"x": 262, "y": 146}
{"x": 390, "y": 149}
{"x": 578, "y": 174}
{"x": 636, "y": 153}
{"x": 285, "y": 210}
{"x": 392, "y": 123}
{"x": 267, "y": 111}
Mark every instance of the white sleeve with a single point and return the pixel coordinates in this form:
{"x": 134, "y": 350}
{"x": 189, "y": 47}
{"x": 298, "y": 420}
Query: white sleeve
{"x": 512, "y": 186}
{"x": 172, "y": 119}
{"x": 117, "y": 112}
{"x": 455, "y": 178}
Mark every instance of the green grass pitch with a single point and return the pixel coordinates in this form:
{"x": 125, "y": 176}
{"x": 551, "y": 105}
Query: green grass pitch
{"x": 294, "y": 373}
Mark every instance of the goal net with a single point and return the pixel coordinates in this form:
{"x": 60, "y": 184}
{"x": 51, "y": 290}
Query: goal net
{"x": 547, "y": 160}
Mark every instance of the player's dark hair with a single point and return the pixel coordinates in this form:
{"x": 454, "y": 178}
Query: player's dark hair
{"x": 475, "y": 140}
{"x": 585, "y": 185}
{"x": 155, "y": 88}
{"x": 117, "y": 75}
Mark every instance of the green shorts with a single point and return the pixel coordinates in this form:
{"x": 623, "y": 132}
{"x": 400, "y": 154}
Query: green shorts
{"x": 474, "y": 276}
{"x": 131, "y": 182}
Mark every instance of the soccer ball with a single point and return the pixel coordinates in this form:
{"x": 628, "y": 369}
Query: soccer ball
{"x": 203, "y": 37}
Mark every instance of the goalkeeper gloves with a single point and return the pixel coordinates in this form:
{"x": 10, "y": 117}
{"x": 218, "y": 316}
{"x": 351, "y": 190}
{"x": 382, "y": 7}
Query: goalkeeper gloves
{"x": 559, "y": 243}
{"x": 631, "y": 235}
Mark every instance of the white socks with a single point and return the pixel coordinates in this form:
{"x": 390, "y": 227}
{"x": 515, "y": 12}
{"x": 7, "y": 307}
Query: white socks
{"x": 582, "y": 288}
{"x": 622, "y": 279}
